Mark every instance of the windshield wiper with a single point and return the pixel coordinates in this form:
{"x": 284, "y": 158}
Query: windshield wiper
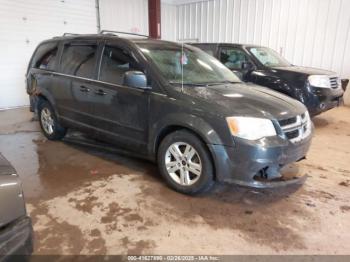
{"x": 222, "y": 82}
{"x": 187, "y": 84}
{"x": 204, "y": 83}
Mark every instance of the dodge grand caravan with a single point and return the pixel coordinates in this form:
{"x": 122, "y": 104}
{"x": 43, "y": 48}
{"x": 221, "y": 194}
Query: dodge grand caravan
{"x": 169, "y": 103}
{"x": 319, "y": 90}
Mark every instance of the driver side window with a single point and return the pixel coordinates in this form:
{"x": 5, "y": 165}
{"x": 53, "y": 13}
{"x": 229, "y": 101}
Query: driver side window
{"x": 115, "y": 63}
{"x": 233, "y": 58}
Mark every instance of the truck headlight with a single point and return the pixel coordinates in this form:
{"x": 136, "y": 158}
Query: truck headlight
{"x": 250, "y": 128}
{"x": 321, "y": 81}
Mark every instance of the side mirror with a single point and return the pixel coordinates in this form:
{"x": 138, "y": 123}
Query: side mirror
{"x": 136, "y": 79}
{"x": 248, "y": 66}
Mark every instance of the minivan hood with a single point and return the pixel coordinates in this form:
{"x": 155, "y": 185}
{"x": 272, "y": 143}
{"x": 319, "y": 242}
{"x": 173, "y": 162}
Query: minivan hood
{"x": 11, "y": 197}
{"x": 245, "y": 99}
{"x": 303, "y": 70}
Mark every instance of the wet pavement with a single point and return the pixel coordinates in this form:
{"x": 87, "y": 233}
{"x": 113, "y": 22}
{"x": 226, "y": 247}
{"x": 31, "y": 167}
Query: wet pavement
{"x": 86, "y": 198}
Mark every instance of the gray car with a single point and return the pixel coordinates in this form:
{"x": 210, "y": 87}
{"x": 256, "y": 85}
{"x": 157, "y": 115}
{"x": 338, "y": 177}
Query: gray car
{"x": 15, "y": 226}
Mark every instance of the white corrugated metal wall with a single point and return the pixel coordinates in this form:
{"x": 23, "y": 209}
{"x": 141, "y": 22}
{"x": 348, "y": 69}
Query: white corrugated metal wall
{"x": 307, "y": 32}
{"x": 312, "y": 33}
{"x": 25, "y": 23}
{"x": 124, "y": 15}
{"x": 169, "y": 21}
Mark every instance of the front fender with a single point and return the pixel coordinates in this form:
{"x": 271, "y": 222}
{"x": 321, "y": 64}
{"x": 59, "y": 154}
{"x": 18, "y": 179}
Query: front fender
{"x": 191, "y": 122}
{"x": 293, "y": 90}
{"x": 292, "y": 87}
{"x": 48, "y": 96}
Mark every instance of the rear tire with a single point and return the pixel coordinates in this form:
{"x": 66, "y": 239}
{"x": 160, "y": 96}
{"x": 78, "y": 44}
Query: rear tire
{"x": 185, "y": 163}
{"x": 49, "y": 123}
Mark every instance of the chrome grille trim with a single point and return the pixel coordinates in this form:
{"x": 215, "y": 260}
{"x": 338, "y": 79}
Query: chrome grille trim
{"x": 335, "y": 82}
{"x": 298, "y": 130}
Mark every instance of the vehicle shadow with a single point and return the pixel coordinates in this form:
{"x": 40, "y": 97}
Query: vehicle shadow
{"x": 108, "y": 152}
{"x": 222, "y": 192}
{"x": 320, "y": 122}
{"x": 63, "y": 166}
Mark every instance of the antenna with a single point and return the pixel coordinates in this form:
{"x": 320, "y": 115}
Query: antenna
{"x": 182, "y": 66}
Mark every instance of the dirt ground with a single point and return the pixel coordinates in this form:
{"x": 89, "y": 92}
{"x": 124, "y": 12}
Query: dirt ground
{"x": 85, "y": 199}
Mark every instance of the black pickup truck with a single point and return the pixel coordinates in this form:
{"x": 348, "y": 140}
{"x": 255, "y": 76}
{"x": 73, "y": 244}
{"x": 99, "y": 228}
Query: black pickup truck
{"x": 319, "y": 90}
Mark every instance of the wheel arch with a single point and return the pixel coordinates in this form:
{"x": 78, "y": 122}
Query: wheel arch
{"x": 42, "y": 95}
{"x": 173, "y": 128}
{"x": 198, "y": 128}
{"x": 174, "y": 122}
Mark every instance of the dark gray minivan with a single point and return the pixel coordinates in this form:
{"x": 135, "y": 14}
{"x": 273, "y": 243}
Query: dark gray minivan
{"x": 172, "y": 104}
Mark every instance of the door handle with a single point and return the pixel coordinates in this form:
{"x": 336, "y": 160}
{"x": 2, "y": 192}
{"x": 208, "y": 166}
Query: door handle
{"x": 84, "y": 89}
{"x": 100, "y": 92}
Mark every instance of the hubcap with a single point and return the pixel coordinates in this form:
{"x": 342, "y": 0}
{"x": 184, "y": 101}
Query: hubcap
{"x": 47, "y": 121}
{"x": 183, "y": 163}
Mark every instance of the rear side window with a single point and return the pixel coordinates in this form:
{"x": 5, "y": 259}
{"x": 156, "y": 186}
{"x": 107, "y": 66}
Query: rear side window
{"x": 79, "y": 60}
{"x": 46, "y": 56}
{"x": 115, "y": 63}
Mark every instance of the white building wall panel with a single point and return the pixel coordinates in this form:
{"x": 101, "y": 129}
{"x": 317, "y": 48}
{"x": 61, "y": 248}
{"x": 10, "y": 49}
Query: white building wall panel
{"x": 124, "y": 15}
{"x": 307, "y": 32}
{"x": 169, "y": 22}
{"x": 25, "y": 23}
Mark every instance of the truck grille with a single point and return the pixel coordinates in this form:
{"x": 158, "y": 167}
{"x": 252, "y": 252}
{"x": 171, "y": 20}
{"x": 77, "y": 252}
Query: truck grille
{"x": 296, "y": 128}
{"x": 335, "y": 82}
{"x": 288, "y": 121}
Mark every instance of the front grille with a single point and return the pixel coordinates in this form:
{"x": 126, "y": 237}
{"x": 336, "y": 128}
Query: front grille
{"x": 287, "y": 121}
{"x": 292, "y": 134}
{"x": 335, "y": 82}
{"x": 296, "y": 128}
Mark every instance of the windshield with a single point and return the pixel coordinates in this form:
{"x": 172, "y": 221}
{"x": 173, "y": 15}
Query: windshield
{"x": 268, "y": 57}
{"x": 192, "y": 67}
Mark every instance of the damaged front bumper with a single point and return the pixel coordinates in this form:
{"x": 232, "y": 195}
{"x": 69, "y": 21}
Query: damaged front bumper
{"x": 258, "y": 163}
{"x": 271, "y": 184}
{"x": 323, "y": 99}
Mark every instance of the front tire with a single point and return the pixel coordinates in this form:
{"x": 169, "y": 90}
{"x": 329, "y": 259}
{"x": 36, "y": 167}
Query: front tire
{"x": 185, "y": 163}
{"x": 49, "y": 123}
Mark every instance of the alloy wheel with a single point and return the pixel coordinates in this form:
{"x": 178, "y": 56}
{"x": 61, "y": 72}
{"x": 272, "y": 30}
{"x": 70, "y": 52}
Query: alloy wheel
{"x": 47, "y": 121}
{"x": 183, "y": 163}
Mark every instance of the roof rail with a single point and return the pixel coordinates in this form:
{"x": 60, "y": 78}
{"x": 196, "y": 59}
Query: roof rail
{"x": 65, "y": 34}
{"x": 119, "y": 32}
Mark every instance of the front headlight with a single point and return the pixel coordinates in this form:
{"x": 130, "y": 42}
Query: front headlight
{"x": 307, "y": 120}
{"x": 250, "y": 128}
{"x": 319, "y": 81}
